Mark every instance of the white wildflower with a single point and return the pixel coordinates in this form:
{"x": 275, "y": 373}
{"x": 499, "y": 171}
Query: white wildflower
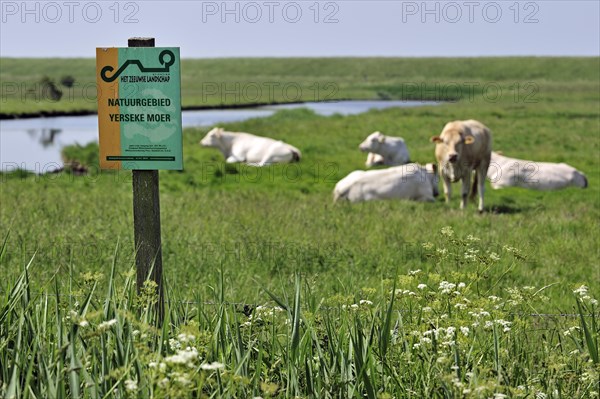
{"x": 422, "y": 286}
{"x": 471, "y": 238}
{"x": 427, "y": 245}
{"x": 185, "y": 338}
{"x": 212, "y": 366}
{"x": 461, "y": 285}
{"x": 105, "y": 325}
{"x": 186, "y": 356}
{"x": 465, "y": 331}
{"x": 183, "y": 380}
{"x": 131, "y": 385}
{"x": 427, "y": 309}
{"x": 365, "y": 302}
{"x": 447, "y": 231}
{"x": 354, "y": 306}
{"x": 494, "y": 257}
{"x": 414, "y": 272}
{"x": 460, "y": 306}
{"x": 446, "y": 287}
{"x": 84, "y": 323}
{"x": 174, "y": 344}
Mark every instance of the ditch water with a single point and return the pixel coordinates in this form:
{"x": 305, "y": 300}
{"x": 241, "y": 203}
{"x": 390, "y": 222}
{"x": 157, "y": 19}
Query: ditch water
{"x": 35, "y": 144}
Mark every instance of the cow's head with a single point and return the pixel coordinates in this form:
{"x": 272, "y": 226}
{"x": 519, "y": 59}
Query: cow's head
{"x": 212, "y": 138}
{"x": 433, "y": 178}
{"x": 449, "y": 145}
{"x": 372, "y": 142}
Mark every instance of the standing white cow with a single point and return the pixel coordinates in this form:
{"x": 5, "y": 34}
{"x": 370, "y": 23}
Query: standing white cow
{"x": 512, "y": 172}
{"x": 411, "y": 181}
{"x": 461, "y": 148}
{"x": 251, "y": 149}
{"x": 385, "y": 150}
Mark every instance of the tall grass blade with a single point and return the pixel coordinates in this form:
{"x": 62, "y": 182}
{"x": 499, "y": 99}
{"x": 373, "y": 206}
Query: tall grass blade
{"x": 589, "y": 340}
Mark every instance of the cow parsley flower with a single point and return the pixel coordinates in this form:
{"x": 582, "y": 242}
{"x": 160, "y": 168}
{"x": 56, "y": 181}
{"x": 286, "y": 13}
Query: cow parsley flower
{"x": 105, "y": 325}
{"x": 447, "y": 231}
{"x": 186, "y": 356}
{"x": 446, "y": 287}
{"x": 131, "y": 385}
{"x": 185, "y": 338}
{"x": 494, "y": 256}
{"x": 212, "y": 366}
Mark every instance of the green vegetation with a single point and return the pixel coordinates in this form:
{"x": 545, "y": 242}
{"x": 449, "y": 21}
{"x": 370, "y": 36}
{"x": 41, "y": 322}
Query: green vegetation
{"x": 219, "y": 82}
{"x": 236, "y": 238}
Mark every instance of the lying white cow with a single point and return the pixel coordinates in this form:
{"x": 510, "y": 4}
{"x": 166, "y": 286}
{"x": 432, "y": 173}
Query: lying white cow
{"x": 385, "y": 150}
{"x": 411, "y": 181}
{"x": 511, "y": 172}
{"x": 251, "y": 149}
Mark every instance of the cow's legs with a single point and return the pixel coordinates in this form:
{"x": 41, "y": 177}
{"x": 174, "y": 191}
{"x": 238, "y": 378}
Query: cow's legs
{"x": 233, "y": 159}
{"x": 447, "y": 187}
{"x": 481, "y": 175}
{"x": 276, "y": 155}
{"x": 466, "y": 186}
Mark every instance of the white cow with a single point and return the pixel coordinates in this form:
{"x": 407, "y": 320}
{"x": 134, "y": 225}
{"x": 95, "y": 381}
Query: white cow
{"x": 385, "y": 150}
{"x": 511, "y": 172}
{"x": 411, "y": 181}
{"x": 461, "y": 148}
{"x": 251, "y": 149}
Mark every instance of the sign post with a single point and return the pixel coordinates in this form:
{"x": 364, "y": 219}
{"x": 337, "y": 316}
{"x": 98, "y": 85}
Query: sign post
{"x": 139, "y": 118}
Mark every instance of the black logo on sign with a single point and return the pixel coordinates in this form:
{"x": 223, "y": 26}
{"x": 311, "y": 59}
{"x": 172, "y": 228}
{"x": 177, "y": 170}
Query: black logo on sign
{"x": 161, "y": 58}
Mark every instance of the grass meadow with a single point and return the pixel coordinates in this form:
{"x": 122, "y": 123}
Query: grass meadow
{"x": 274, "y": 291}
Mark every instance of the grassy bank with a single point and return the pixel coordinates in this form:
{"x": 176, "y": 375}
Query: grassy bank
{"x": 223, "y": 82}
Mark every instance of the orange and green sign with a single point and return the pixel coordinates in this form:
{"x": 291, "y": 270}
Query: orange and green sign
{"x": 139, "y": 108}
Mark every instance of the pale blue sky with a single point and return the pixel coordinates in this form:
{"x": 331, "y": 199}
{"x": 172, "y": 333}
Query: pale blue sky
{"x": 304, "y": 28}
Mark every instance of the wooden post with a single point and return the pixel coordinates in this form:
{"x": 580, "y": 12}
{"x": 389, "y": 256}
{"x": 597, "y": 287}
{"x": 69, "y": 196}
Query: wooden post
{"x": 146, "y": 220}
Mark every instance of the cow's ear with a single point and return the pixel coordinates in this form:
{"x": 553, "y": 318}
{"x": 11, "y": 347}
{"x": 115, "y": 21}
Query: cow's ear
{"x": 469, "y": 140}
{"x": 381, "y": 138}
{"x": 219, "y": 131}
{"x": 436, "y": 139}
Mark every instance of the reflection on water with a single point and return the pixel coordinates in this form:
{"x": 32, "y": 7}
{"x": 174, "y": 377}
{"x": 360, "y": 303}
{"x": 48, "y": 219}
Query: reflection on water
{"x": 46, "y": 136}
{"x": 36, "y": 144}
